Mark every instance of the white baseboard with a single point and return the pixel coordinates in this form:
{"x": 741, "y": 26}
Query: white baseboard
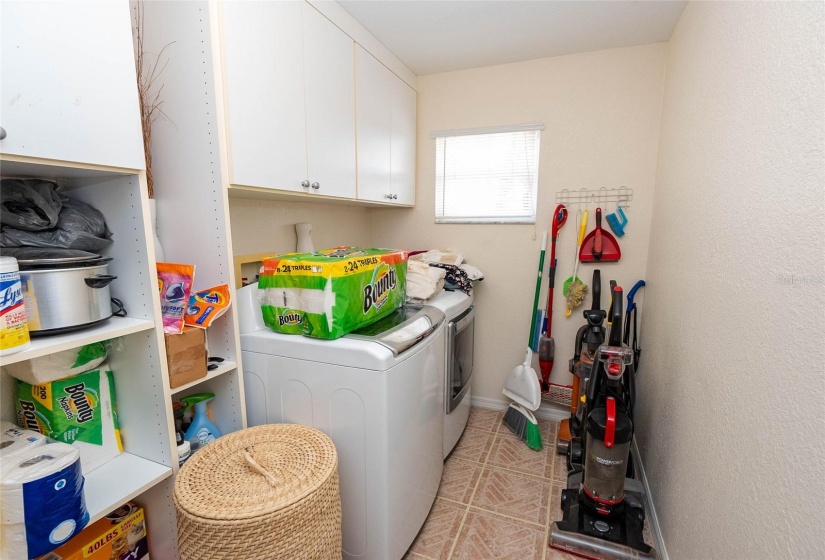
{"x": 650, "y": 509}
{"x": 558, "y": 412}
{"x": 546, "y": 410}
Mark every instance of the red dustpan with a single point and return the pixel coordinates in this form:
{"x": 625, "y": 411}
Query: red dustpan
{"x": 600, "y": 245}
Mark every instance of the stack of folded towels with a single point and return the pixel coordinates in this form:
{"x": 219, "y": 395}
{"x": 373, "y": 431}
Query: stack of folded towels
{"x": 428, "y": 273}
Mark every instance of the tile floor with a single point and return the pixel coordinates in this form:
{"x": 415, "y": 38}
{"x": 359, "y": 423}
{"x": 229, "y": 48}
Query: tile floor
{"x": 497, "y": 497}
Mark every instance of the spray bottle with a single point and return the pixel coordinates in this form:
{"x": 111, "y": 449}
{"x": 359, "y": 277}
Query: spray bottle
{"x": 202, "y": 430}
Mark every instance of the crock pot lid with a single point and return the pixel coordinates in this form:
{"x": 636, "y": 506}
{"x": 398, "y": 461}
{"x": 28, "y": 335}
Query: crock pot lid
{"x": 42, "y": 256}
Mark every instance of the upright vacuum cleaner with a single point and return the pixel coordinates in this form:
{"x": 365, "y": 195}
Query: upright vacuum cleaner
{"x": 603, "y": 518}
{"x": 589, "y": 338}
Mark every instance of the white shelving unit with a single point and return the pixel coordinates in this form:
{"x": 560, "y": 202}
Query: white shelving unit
{"x": 137, "y": 359}
{"x": 193, "y": 221}
{"x": 190, "y": 173}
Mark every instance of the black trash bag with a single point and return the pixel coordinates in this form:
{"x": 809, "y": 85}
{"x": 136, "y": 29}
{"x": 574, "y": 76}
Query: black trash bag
{"x": 29, "y": 204}
{"x": 79, "y": 226}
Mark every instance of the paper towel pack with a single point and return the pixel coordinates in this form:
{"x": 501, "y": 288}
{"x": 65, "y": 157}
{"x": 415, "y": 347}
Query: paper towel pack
{"x": 329, "y": 293}
{"x": 78, "y": 410}
{"x": 58, "y": 365}
{"x": 41, "y": 498}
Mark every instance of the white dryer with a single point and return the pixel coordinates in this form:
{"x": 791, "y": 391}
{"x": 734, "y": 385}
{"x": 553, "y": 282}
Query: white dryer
{"x": 379, "y": 395}
{"x": 458, "y": 371}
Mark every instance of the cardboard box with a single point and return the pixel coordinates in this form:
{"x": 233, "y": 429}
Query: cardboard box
{"x": 186, "y": 356}
{"x": 118, "y": 536}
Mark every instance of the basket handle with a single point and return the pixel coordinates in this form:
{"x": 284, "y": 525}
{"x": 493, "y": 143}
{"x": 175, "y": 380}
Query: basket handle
{"x": 254, "y": 464}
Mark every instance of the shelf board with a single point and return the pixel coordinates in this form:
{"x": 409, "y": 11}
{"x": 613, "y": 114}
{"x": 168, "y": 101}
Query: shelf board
{"x": 66, "y": 173}
{"x": 224, "y": 367}
{"x": 118, "y": 481}
{"x": 44, "y": 345}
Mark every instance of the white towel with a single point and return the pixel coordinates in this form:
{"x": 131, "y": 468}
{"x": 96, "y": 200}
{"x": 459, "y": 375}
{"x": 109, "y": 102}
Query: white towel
{"x": 423, "y": 280}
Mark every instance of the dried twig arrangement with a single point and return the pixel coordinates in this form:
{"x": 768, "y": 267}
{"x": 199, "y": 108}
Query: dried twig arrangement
{"x": 148, "y": 94}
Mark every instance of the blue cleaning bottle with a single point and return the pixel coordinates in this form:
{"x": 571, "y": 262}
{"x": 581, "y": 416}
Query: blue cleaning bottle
{"x": 202, "y": 430}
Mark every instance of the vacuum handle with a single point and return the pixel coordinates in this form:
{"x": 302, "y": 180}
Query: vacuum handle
{"x": 616, "y": 318}
{"x": 597, "y": 290}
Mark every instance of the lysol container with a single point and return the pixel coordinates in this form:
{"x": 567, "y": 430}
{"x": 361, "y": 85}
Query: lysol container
{"x": 14, "y": 333}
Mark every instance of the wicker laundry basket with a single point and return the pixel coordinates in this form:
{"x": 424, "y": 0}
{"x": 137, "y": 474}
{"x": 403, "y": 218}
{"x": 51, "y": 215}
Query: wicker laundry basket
{"x": 269, "y": 492}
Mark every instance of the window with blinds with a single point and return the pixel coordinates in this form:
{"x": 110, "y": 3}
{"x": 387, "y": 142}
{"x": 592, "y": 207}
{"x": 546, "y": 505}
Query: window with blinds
{"x": 487, "y": 175}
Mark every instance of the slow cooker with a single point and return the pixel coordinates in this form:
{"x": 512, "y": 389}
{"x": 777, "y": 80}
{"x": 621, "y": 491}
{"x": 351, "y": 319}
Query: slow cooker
{"x": 64, "y": 289}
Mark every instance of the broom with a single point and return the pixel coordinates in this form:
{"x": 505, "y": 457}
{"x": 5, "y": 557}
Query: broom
{"x": 522, "y": 386}
{"x": 522, "y": 423}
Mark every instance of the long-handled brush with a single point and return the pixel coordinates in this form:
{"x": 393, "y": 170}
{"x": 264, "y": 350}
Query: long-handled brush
{"x": 522, "y": 423}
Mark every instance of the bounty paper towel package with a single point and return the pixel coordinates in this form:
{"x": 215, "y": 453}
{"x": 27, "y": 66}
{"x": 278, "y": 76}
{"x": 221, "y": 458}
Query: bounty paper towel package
{"x": 78, "y": 410}
{"x": 59, "y": 364}
{"x": 327, "y": 294}
{"x": 41, "y": 497}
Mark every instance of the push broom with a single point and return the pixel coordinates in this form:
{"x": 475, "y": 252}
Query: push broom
{"x": 522, "y": 384}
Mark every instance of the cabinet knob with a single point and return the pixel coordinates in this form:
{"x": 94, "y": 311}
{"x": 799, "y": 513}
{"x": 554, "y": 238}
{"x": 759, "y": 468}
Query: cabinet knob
{"x": 388, "y": 196}
{"x": 316, "y": 185}
{"x": 395, "y": 197}
{"x": 305, "y": 184}
{"x": 2, "y": 132}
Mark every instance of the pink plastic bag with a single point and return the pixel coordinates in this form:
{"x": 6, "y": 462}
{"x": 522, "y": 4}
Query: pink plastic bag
{"x": 175, "y": 285}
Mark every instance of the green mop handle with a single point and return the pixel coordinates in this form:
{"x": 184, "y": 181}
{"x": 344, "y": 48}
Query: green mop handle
{"x": 538, "y": 290}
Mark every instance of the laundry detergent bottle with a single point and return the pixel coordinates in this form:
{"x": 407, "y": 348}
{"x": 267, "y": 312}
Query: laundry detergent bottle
{"x": 202, "y": 430}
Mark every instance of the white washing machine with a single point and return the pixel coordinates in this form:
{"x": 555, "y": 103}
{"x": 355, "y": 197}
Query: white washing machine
{"x": 379, "y": 395}
{"x": 458, "y": 368}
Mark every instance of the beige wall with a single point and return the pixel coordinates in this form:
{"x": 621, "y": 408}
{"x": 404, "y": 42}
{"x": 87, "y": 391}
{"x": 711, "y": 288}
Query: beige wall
{"x": 601, "y": 112}
{"x": 259, "y": 226}
{"x": 731, "y": 383}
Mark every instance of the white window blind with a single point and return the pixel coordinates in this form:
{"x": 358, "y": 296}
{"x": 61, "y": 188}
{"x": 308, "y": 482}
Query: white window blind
{"x": 487, "y": 175}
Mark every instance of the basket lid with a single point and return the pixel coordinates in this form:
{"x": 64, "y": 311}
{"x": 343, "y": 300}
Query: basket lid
{"x": 254, "y": 472}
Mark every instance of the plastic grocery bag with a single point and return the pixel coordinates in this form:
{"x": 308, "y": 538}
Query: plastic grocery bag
{"x": 33, "y": 214}
{"x": 29, "y": 204}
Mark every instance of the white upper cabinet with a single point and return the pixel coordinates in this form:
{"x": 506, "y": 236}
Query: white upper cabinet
{"x": 290, "y": 85}
{"x": 264, "y": 80}
{"x": 329, "y": 78}
{"x": 374, "y": 127}
{"x": 385, "y": 117}
{"x": 403, "y": 142}
{"x": 68, "y": 89}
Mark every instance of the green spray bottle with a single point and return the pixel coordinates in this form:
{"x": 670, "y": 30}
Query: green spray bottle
{"x": 202, "y": 430}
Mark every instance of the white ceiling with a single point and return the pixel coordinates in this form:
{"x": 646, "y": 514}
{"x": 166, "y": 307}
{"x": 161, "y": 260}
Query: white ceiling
{"x": 432, "y": 36}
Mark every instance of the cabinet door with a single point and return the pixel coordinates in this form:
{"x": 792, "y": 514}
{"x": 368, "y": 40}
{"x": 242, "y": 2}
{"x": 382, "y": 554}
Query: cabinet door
{"x": 373, "y": 114}
{"x": 264, "y": 83}
{"x": 329, "y": 74}
{"x": 403, "y": 142}
{"x": 68, "y": 87}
